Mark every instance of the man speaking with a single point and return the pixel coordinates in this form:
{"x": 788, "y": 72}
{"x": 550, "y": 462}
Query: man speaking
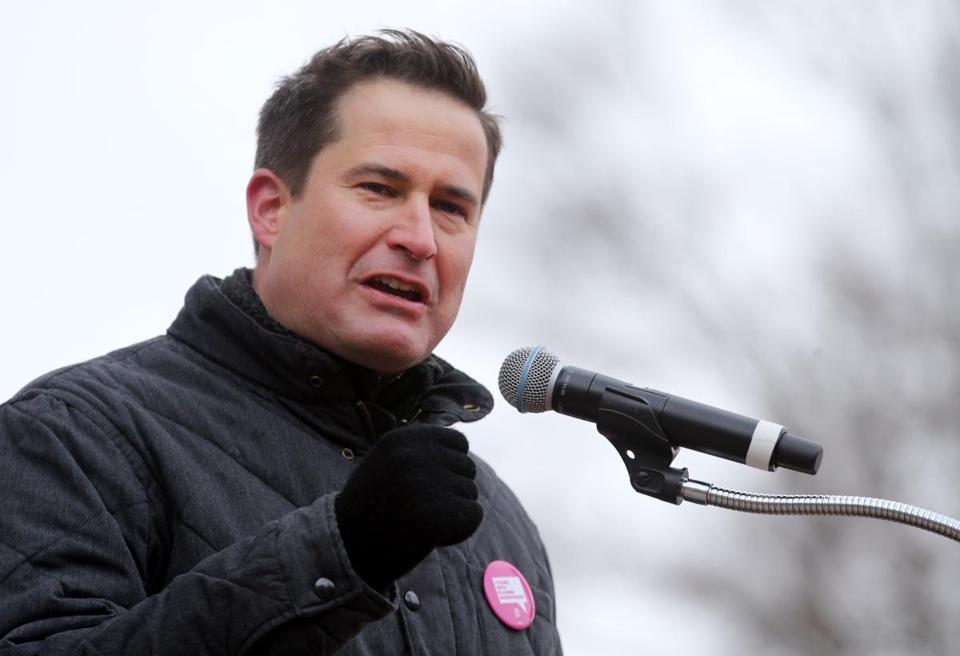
{"x": 276, "y": 474}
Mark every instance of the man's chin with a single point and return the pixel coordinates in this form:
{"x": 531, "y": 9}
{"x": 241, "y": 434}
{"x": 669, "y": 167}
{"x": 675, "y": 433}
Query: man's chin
{"x": 389, "y": 353}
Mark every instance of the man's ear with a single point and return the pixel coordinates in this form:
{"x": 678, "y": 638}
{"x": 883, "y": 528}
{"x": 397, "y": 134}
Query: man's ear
{"x": 267, "y": 199}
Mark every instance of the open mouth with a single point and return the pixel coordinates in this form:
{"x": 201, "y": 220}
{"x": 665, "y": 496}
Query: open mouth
{"x": 396, "y": 287}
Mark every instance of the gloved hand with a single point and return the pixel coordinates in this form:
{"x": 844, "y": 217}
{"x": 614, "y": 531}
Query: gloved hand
{"x": 414, "y": 491}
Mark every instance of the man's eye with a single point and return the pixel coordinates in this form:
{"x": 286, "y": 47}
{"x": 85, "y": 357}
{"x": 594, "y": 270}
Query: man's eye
{"x": 377, "y": 188}
{"x": 450, "y": 208}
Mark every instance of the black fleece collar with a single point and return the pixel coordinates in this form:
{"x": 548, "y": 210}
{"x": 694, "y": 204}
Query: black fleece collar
{"x": 227, "y": 322}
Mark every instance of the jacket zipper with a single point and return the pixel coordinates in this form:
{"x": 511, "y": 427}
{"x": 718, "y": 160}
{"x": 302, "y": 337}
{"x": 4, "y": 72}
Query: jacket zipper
{"x": 367, "y": 419}
{"x": 364, "y": 412}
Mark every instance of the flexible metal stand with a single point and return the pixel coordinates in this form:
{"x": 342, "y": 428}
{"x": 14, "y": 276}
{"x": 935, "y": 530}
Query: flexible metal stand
{"x": 647, "y": 453}
{"x": 706, "y": 494}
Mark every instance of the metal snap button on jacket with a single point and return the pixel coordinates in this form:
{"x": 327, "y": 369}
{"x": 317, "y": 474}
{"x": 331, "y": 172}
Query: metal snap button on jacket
{"x": 316, "y": 381}
{"x": 324, "y": 588}
{"x": 411, "y": 600}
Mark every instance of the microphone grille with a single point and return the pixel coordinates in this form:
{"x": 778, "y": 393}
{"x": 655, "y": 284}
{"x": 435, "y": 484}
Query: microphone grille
{"x": 525, "y": 377}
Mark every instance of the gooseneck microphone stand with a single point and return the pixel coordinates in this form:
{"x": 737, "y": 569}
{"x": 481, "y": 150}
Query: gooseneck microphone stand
{"x": 634, "y": 420}
{"x": 647, "y": 452}
{"x": 707, "y": 494}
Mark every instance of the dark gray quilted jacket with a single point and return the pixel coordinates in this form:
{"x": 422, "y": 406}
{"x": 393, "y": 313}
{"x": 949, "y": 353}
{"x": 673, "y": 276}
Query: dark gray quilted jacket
{"x": 176, "y": 497}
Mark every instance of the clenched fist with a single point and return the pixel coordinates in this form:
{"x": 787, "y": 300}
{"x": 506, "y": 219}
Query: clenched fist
{"x": 414, "y": 491}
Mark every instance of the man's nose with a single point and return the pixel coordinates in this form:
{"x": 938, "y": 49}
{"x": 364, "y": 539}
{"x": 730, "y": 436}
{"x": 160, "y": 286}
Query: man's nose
{"x": 413, "y": 230}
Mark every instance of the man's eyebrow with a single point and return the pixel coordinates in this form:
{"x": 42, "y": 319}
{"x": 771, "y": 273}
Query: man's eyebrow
{"x": 377, "y": 169}
{"x": 372, "y": 168}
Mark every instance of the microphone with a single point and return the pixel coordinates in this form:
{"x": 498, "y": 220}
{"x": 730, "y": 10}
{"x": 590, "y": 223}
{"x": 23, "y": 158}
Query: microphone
{"x": 534, "y": 380}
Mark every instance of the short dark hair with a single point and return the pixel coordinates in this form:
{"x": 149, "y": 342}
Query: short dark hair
{"x": 300, "y": 118}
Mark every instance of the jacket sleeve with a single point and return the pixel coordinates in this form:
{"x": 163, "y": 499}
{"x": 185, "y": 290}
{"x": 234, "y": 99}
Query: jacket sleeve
{"x": 74, "y": 530}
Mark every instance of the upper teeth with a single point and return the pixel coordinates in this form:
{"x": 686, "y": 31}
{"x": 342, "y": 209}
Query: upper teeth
{"x": 393, "y": 283}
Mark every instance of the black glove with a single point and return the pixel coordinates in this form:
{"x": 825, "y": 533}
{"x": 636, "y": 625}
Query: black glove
{"x": 414, "y": 491}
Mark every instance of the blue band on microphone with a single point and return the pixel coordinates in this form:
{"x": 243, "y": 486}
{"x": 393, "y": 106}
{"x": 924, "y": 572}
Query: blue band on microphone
{"x": 523, "y": 376}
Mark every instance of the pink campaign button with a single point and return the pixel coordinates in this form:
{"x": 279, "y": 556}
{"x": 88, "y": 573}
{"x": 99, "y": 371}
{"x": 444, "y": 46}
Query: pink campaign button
{"x": 508, "y": 594}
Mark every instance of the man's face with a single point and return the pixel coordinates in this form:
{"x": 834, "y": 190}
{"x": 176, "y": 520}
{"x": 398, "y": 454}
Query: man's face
{"x": 371, "y": 260}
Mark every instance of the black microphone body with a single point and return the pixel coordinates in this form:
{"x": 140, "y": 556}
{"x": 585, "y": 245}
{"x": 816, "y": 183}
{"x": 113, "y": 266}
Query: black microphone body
{"x": 544, "y": 384}
{"x": 578, "y": 393}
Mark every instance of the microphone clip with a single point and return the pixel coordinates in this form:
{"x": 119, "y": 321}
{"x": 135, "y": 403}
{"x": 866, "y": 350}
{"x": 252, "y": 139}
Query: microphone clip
{"x": 629, "y": 423}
